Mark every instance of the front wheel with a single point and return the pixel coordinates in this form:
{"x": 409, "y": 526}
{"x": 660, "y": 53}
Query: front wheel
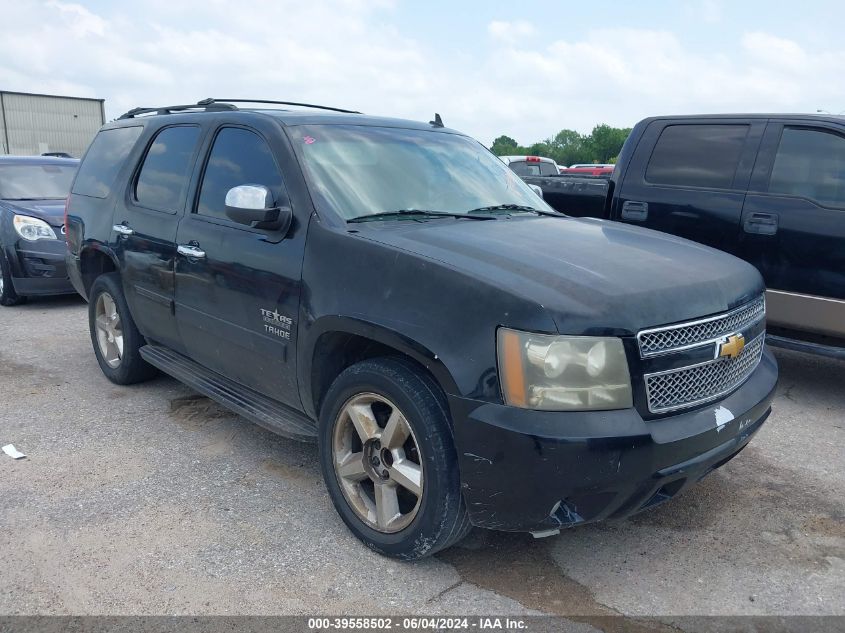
{"x": 114, "y": 335}
{"x": 388, "y": 459}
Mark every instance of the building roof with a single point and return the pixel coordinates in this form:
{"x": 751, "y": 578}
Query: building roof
{"x": 38, "y": 94}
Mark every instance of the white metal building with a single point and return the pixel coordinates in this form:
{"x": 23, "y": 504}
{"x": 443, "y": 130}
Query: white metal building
{"x": 32, "y": 124}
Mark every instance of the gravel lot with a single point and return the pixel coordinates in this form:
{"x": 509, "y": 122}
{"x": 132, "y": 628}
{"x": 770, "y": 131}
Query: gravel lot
{"x": 153, "y": 500}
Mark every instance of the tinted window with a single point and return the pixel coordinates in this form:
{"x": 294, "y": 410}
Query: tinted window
{"x": 523, "y": 168}
{"x": 239, "y": 157}
{"x": 548, "y": 169}
{"x": 810, "y": 163}
{"x": 104, "y": 159}
{"x": 35, "y": 182}
{"x": 163, "y": 180}
{"x": 697, "y": 155}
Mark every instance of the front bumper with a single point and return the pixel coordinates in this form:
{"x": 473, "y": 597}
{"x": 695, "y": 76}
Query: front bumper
{"x": 38, "y": 268}
{"x": 524, "y": 470}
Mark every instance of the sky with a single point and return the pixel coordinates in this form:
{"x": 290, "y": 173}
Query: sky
{"x": 489, "y": 68}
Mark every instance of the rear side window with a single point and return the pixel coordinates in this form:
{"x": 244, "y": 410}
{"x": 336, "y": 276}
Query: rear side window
{"x": 548, "y": 169}
{"x": 163, "y": 180}
{"x": 697, "y": 156}
{"x": 811, "y": 164}
{"x": 104, "y": 159}
{"x": 238, "y": 157}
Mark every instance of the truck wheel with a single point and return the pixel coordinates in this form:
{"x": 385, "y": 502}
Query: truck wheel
{"x": 115, "y": 338}
{"x": 388, "y": 459}
{"x": 8, "y": 296}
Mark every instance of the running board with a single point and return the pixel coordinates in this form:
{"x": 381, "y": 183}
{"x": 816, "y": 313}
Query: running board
{"x": 255, "y": 407}
{"x": 806, "y": 346}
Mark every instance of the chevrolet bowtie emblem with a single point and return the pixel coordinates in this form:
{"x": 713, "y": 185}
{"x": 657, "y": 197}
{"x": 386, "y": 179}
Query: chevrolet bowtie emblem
{"x": 730, "y": 346}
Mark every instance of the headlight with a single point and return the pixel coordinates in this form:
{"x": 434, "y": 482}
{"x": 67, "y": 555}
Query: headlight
{"x": 33, "y": 229}
{"x": 563, "y": 373}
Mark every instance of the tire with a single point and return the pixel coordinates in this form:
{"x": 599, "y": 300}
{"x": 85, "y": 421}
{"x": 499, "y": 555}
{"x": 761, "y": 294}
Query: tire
{"x": 393, "y": 401}
{"x": 117, "y": 340}
{"x": 8, "y": 296}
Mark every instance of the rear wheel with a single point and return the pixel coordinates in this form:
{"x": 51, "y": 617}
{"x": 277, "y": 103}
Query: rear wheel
{"x": 389, "y": 461}
{"x": 8, "y": 296}
{"x": 114, "y": 335}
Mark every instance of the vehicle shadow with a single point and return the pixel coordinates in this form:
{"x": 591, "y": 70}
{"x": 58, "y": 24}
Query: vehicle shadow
{"x": 56, "y": 301}
{"x": 810, "y": 378}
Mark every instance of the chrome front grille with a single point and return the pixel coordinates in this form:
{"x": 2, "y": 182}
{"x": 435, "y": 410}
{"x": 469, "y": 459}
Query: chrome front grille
{"x": 696, "y": 384}
{"x": 672, "y": 338}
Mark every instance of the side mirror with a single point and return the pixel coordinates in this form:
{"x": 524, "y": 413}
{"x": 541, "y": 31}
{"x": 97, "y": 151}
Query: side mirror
{"x": 252, "y": 205}
{"x": 536, "y": 189}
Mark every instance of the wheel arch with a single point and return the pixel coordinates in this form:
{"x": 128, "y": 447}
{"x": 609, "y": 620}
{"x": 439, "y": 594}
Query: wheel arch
{"x": 95, "y": 260}
{"x": 335, "y": 343}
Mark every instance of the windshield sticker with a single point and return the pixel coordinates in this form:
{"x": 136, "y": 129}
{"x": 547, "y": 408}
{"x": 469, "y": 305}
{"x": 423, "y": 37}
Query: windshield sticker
{"x": 308, "y": 140}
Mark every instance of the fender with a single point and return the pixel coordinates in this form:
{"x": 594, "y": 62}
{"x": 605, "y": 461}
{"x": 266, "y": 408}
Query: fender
{"x": 375, "y": 332}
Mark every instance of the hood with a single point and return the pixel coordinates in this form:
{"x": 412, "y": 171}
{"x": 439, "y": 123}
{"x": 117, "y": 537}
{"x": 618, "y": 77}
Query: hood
{"x": 51, "y": 211}
{"x": 592, "y": 276}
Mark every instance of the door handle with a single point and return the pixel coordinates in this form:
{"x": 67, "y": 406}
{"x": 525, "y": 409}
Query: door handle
{"x": 761, "y": 223}
{"x": 634, "y": 210}
{"x": 122, "y": 229}
{"x": 189, "y": 250}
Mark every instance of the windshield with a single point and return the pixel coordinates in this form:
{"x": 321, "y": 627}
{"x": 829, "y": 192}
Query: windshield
{"x": 363, "y": 170}
{"x": 35, "y": 182}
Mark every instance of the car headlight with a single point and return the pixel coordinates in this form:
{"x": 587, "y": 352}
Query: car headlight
{"x": 563, "y": 373}
{"x": 33, "y": 229}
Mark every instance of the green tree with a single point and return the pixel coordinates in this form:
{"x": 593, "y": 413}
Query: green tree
{"x": 605, "y": 142}
{"x": 504, "y": 146}
{"x": 568, "y": 147}
{"x": 540, "y": 149}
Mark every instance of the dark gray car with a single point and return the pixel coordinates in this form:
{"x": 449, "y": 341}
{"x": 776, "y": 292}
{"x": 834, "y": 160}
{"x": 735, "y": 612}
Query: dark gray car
{"x": 33, "y": 191}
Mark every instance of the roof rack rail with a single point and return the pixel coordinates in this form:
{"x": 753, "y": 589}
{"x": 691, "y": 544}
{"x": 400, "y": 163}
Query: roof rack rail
{"x": 215, "y": 105}
{"x": 178, "y": 108}
{"x": 210, "y": 101}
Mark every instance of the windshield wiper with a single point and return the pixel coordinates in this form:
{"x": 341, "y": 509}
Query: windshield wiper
{"x": 514, "y": 207}
{"x": 418, "y": 213}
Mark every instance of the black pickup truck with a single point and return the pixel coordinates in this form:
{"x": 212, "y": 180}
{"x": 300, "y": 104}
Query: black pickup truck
{"x": 767, "y": 188}
{"x": 461, "y": 353}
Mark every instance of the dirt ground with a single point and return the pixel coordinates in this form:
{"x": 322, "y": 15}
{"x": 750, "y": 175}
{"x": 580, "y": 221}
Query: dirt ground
{"x": 153, "y": 500}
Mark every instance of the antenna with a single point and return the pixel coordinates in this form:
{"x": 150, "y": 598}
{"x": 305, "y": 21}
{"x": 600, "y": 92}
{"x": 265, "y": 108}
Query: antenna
{"x": 438, "y": 122}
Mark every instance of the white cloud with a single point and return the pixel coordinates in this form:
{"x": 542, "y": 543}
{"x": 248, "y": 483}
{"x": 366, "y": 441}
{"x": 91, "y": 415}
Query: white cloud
{"x": 510, "y": 31}
{"x": 350, "y": 53}
{"x": 707, "y": 11}
{"x": 80, "y": 21}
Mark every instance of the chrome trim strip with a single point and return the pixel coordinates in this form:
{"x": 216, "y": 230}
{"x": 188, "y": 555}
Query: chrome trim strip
{"x": 679, "y": 326}
{"x": 709, "y": 398}
{"x": 810, "y": 313}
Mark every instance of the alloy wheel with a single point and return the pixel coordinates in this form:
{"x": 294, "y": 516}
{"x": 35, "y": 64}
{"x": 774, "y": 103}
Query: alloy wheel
{"x": 109, "y": 330}
{"x": 377, "y": 462}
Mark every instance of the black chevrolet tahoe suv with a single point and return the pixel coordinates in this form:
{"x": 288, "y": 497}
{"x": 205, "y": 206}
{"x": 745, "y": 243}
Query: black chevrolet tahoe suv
{"x": 461, "y": 353}
{"x": 769, "y": 188}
